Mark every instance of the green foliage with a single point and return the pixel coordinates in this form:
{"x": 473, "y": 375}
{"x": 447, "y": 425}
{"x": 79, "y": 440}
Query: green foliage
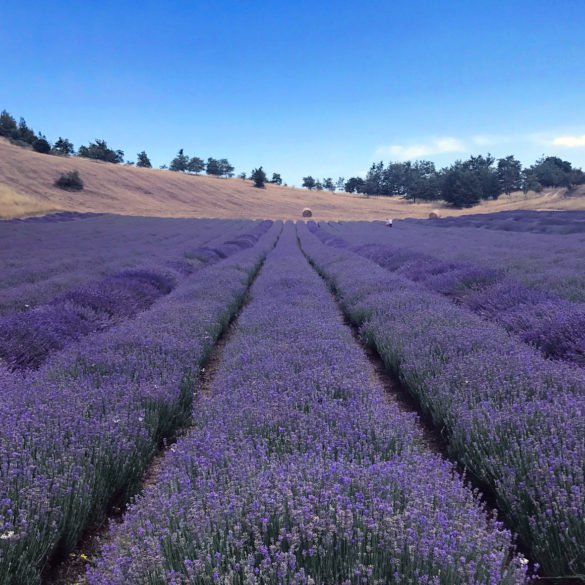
{"x": 328, "y": 184}
{"x": 530, "y": 182}
{"x": 242, "y": 176}
{"x": 276, "y": 179}
{"x": 196, "y": 165}
{"x": 41, "y": 145}
{"x": 7, "y": 124}
{"x": 143, "y": 160}
{"x": 225, "y": 168}
{"x": 70, "y": 181}
{"x": 340, "y": 185}
{"x": 180, "y": 162}
{"x": 309, "y": 183}
{"x": 259, "y": 177}
{"x": 63, "y": 146}
{"x": 509, "y": 174}
{"x": 461, "y": 187}
{"x": 99, "y": 150}
{"x": 213, "y": 167}
{"x": 354, "y": 185}
{"x": 551, "y": 171}
{"x": 23, "y": 133}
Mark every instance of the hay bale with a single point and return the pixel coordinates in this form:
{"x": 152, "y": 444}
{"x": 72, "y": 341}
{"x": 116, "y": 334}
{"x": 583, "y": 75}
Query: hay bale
{"x": 307, "y": 212}
{"x": 434, "y": 214}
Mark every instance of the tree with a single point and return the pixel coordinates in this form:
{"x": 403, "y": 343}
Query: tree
{"x": 180, "y": 162}
{"x": 259, "y": 177}
{"x": 328, "y": 184}
{"x": 196, "y": 165}
{"x": 99, "y": 150}
{"x": 354, "y": 185}
{"x": 420, "y": 181}
{"x": 242, "y": 176}
{"x": 23, "y": 133}
{"x": 340, "y": 184}
{"x": 551, "y": 171}
{"x": 63, "y": 146}
{"x": 276, "y": 179}
{"x": 225, "y": 168}
{"x": 7, "y": 124}
{"x": 143, "y": 160}
{"x": 482, "y": 168}
{"x": 318, "y": 185}
{"x": 530, "y": 182}
{"x": 41, "y": 144}
{"x": 213, "y": 167}
{"x": 309, "y": 183}
{"x": 461, "y": 187}
{"x": 509, "y": 174}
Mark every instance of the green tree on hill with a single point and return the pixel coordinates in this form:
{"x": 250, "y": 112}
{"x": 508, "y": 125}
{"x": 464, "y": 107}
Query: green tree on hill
{"x": 309, "y": 183}
{"x": 7, "y": 124}
{"x": 259, "y": 177}
{"x": 143, "y": 160}
{"x": 196, "y": 165}
{"x": 41, "y": 144}
{"x": 328, "y": 184}
{"x": 99, "y": 150}
{"x": 63, "y": 146}
{"x": 509, "y": 174}
{"x": 276, "y": 179}
{"x": 180, "y": 162}
{"x": 225, "y": 168}
{"x": 213, "y": 167}
{"x": 461, "y": 186}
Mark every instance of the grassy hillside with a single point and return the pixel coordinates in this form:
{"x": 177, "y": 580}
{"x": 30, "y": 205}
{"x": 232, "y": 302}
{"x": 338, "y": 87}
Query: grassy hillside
{"x": 26, "y": 188}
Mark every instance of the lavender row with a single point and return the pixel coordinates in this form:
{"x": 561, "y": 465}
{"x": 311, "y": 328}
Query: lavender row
{"x": 298, "y": 469}
{"x": 37, "y": 267}
{"x": 26, "y": 339}
{"x": 547, "y": 222}
{"x": 514, "y": 419}
{"x": 79, "y": 431}
{"x": 552, "y": 263}
{"x": 554, "y": 325}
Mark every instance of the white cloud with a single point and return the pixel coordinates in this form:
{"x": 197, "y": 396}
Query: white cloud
{"x": 486, "y": 140}
{"x": 434, "y": 146}
{"x": 569, "y": 141}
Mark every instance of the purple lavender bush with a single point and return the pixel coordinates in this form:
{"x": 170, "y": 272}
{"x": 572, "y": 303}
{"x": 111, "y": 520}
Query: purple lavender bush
{"x": 79, "y": 431}
{"x": 299, "y": 470}
{"x": 512, "y": 417}
{"x": 26, "y": 339}
{"x": 554, "y": 325}
{"x": 41, "y": 261}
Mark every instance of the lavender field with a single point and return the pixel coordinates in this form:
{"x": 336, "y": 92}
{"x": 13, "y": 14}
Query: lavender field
{"x": 293, "y": 462}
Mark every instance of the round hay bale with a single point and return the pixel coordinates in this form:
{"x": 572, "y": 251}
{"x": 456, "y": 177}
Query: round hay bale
{"x": 434, "y": 214}
{"x": 307, "y": 212}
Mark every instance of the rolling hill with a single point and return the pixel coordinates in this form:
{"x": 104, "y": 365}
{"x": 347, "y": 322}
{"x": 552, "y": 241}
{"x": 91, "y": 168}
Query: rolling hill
{"x": 26, "y": 188}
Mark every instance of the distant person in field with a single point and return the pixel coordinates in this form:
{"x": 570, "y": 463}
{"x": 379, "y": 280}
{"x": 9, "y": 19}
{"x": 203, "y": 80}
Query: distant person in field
{"x": 388, "y": 222}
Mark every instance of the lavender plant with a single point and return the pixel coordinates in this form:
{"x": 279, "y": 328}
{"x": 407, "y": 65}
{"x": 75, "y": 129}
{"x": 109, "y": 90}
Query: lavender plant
{"x": 39, "y": 260}
{"x": 554, "y": 325}
{"x": 514, "y": 419}
{"x": 299, "y": 470}
{"x": 78, "y": 431}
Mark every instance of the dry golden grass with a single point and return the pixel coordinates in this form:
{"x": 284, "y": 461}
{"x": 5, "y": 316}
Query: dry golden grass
{"x": 26, "y": 188}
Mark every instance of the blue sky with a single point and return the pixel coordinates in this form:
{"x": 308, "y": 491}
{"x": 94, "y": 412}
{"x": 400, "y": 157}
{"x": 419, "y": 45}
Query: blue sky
{"x": 319, "y": 88}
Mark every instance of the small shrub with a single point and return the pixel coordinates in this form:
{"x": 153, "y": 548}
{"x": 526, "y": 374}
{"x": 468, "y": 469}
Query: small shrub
{"x": 70, "y": 181}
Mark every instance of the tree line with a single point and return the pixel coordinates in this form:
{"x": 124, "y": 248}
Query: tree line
{"x": 22, "y": 135}
{"x": 466, "y": 182}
